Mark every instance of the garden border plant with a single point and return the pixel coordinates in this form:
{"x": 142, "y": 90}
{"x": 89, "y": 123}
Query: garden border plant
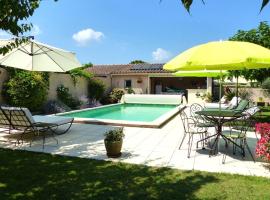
{"x": 96, "y": 89}
{"x": 64, "y": 96}
{"x": 26, "y": 89}
{"x": 263, "y": 145}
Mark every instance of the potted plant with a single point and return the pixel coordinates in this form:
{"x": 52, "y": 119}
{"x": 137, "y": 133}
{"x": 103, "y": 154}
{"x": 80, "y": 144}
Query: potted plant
{"x": 113, "y": 142}
{"x": 139, "y": 81}
{"x": 207, "y": 97}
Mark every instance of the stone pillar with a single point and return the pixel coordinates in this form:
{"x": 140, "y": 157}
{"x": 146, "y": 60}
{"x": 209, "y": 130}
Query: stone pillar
{"x": 148, "y": 85}
{"x": 209, "y": 85}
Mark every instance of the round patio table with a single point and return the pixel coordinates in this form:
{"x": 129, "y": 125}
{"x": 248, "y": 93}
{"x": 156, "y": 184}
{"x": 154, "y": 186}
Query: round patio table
{"x": 219, "y": 117}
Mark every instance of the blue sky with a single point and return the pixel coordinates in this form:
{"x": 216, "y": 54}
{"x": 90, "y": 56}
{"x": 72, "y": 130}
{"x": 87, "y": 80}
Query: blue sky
{"x": 118, "y": 31}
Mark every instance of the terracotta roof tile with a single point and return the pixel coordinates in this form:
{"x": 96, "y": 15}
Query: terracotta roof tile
{"x": 101, "y": 70}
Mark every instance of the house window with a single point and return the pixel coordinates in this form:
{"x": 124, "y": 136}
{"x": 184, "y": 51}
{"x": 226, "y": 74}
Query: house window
{"x": 127, "y": 83}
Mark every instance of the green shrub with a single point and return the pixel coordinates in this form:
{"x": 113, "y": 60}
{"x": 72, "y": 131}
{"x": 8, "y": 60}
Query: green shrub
{"x": 266, "y": 85}
{"x": 116, "y": 94}
{"x": 207, "y": 97}
{"x": 96, "y": 89}
{"x": 26, "y": 89}
{"x": 106, "y": 100}
{"x": 64, "y": 96}
{"x": 130, "y": 91}
{"x": 229, "y": 96}
{"x": 114, "y": 135}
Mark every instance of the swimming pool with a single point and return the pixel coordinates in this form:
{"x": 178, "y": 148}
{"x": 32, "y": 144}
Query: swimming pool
{"x": 126, "y": 114}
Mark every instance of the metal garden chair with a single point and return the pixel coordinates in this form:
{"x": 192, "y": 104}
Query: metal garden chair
{"x": 190, "y": 129}
{"x": 238, "y": 133}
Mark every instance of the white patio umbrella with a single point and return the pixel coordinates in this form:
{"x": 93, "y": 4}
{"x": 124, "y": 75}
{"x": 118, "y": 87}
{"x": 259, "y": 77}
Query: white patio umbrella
{"x": 36, "y": 56}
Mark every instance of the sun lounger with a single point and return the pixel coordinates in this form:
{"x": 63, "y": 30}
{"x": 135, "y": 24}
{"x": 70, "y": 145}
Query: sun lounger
{"x": 21, "y": 119}
{"x": 242, "y": 106}
{"x": 232, "y": 104}
{"x": 5, "y": 125}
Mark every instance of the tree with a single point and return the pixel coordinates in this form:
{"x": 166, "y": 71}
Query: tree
{"x": 137, "y": 62}
{"x": 260, "y": 36}
{"x": 13, "y": 19}
{"x": 187, "y": 4}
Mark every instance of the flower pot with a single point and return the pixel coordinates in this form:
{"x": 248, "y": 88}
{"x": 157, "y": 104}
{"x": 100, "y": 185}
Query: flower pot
{"x": 113, "y": 148}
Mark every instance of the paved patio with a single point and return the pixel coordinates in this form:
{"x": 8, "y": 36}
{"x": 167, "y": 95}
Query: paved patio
{"x": 148, "y": 146}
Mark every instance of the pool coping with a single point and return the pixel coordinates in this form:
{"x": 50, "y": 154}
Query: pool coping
{"x": 157, "y": 123}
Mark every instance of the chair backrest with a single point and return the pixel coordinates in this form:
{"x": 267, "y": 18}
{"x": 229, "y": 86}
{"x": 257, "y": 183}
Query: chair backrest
{"x": 242, "y": 105}
{"x": 19, "y": 117}
{"x": 234, "y": 101}
{"x": 242, "y": 125}
{"x": 184, "y": 119}
{"x": 193, "y": 109}
{"x": 4, "y": 121}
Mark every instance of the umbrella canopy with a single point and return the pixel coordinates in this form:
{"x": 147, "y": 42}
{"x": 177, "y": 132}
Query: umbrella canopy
{"x": 200, "y": 73}
{"x": 35, "y": 56}
{"x": 222, "y": 55}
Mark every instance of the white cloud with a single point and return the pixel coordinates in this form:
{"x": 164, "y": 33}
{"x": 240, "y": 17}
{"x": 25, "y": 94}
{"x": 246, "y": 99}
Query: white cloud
{"x": 160, "y": 55}
{"x": 87, "y": 35}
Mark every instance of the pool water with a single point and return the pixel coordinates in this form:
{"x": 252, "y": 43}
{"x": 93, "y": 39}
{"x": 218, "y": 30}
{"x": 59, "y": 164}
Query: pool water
{"x": 127, "y": 112}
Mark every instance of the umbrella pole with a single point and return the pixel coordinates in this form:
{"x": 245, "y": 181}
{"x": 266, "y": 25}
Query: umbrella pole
{"x": 220, "y": 87}
{"x": 236, "y": 93}
{"x": 220, "y": 90}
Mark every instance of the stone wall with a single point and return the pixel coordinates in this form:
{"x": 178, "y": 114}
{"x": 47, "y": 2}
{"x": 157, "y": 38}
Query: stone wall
{"x": 139, "y": 82}
{"x": 79, "y": 90}
{"x": 256, "y": 94}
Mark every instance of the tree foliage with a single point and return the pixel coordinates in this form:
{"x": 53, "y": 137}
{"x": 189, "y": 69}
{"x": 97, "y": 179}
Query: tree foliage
{"x": 187, "y": 4}
{"x": 13, "y": 19}
{"x": 260, "y": 36}
{"x": 96, "y": 89}
{"x": 266, "y": 85}
{"x": 137, "y": 62}
{"x": 80, "y": 72}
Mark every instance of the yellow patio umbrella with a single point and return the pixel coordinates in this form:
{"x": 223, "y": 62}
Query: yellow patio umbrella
{"x": 200, "y": 73}
{"x": 221, "y": 55}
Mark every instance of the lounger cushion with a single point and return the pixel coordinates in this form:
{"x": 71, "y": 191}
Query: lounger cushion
{"x": 233, "y": 102}
{"x": 216, "y": 105}
{"x": 58, "y": 120}
{"x": 242, "y": 105}
{"x": 223, "y": 100}
{"x": 252, "y": 111}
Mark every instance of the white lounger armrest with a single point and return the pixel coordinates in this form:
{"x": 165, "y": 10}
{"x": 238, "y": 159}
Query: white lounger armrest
{"x": 57, "y": 120}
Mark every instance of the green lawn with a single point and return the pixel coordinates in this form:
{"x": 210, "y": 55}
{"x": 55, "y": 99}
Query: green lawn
{"x": 27, "y": 175}
{"x": 264, "y": 115}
